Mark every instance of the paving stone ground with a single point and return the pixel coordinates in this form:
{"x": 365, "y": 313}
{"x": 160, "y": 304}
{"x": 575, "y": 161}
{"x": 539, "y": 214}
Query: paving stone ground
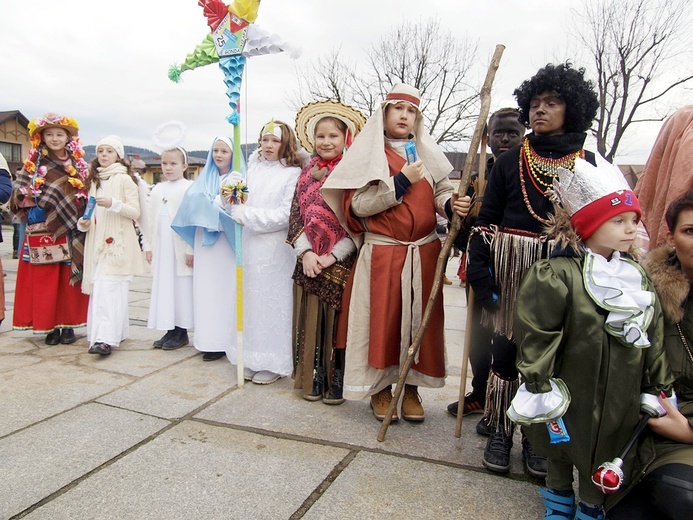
{"x": 149, "y": 434}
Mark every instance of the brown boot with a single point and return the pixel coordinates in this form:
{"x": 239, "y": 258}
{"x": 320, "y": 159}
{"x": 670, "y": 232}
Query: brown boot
{"x": 380, "y": 402}
{"x": 411, "y": 405}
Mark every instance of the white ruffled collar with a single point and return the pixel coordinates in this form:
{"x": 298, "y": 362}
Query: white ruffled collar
{"x": 617, "y": 285}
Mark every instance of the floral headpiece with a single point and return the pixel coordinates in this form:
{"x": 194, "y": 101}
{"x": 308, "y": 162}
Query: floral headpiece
{"x": 51, "y": 120}
{"x": 78, "y": 169}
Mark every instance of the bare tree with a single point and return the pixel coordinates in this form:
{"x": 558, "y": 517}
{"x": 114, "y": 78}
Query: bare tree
{"x": 641, "y": 55}
{"x": 419, "y": 54}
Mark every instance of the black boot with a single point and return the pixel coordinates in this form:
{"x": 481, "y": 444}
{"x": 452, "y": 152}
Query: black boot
{"x": 334, "y": 396}
{"x": 160, "y": 342}
{"x": 53, "y": 338}
{"x": 535, "y": 464}
{"x": 213, "y": 356}
{"x": 67, "y": 336}
{"x": 178, "y": 339}
{"x": 497, "y": 452}
{"x": 318, "y": 386}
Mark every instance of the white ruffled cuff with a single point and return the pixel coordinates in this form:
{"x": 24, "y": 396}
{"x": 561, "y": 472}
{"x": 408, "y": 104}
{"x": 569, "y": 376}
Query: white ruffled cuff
{"x": 528, "y": 408}
{"x": 650, "y": 404}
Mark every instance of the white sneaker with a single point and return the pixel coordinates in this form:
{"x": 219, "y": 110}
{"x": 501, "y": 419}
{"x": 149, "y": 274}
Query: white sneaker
{"x": 248, "y": 374}
{"x": 265, "y": 377}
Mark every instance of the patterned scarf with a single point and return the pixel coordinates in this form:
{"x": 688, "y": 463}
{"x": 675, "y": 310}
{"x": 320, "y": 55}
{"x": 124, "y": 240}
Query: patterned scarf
{"x": 63, "y": 209}
{"x": 320, "y": 224}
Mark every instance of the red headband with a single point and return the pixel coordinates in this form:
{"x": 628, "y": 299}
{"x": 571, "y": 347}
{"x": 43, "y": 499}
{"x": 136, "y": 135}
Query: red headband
{"x": 392, "y": 96}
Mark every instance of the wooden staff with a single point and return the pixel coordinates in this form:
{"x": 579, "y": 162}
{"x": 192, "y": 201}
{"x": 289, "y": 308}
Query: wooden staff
{"x": 479, "y": 195}
{"x": 452, "y": 234}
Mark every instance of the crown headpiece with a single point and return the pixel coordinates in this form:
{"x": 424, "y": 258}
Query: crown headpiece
{"x": 588, "y": 183}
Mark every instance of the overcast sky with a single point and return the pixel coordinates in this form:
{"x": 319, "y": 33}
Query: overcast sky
{"x": 106, "y": 63}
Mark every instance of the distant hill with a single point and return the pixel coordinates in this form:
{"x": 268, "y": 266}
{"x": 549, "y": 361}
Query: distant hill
{"x": 90, "y": 152}
{"x": 246, "y": 149}
{"x": 146, "y": 155}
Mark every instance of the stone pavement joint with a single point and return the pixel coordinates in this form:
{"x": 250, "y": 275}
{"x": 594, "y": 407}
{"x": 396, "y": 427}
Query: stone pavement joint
{"x": 324, "y": 486}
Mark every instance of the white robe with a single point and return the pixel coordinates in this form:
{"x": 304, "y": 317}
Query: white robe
{"x": 214, "y": 295}
{"x": 171, "y": 303}
{"x": 107, "y": 315}
{"x": 268, "y": 263}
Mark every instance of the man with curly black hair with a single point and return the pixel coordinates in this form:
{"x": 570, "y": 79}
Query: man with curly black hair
{"x": 558, "y": 104}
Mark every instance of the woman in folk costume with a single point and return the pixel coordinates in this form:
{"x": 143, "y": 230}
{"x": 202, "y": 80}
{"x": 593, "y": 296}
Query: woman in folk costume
{"x": 49, "y": 197}
{"x": 324, "y": 251}
{"x": 558, "y": 104}
{"x": 390, "y": 206}
{"x": 112, "y": 254}
{"x": 667, "y": 174}
{"x": 202, "y": 222}
{"x": 589, "y": 332}
{"x": 267, "y": 259}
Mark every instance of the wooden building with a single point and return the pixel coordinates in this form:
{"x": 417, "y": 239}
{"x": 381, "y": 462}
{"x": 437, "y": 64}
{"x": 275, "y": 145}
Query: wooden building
{"x": 14, "y": 138}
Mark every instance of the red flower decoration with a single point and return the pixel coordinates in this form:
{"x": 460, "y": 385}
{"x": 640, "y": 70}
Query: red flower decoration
{"x": 109, "y": 240}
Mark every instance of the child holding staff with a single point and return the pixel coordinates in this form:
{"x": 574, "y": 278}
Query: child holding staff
{"x": 267, "y": 259}
{"x": 390, "y": 205}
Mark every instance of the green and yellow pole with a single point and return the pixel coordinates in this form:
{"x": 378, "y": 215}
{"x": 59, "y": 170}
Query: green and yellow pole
{"x": 238, "y": 247}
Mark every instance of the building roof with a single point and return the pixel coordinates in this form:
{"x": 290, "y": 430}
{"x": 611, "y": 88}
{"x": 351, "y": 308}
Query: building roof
{"x": 12, "y": 114}
{"x": 155, "y": 162}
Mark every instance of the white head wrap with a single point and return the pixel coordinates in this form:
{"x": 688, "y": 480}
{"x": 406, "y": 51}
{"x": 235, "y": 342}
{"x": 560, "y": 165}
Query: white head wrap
{"x": 365, "y": 162}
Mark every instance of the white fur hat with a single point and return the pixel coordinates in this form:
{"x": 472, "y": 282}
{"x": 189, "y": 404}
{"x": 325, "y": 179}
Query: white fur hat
{"x": 114, "y": 142}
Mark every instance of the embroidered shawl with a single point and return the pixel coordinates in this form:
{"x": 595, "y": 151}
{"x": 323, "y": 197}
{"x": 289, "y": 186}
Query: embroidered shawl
{"x": 63, "y": 209}
{"x": 320, "y": 224}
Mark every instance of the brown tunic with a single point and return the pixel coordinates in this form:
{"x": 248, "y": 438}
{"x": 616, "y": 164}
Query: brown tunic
{"x": 411, "y": 220}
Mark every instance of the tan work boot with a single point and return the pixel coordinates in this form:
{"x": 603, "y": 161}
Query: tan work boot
{"x": 411, "y": 405}
{"x": 380, "y": 402}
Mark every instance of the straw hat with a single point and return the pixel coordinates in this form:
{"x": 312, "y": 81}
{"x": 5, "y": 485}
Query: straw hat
{"x": 51, "y": 120}
{"x": 310, "y": 114}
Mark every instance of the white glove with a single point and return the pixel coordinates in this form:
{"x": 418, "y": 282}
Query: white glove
{"x": 236, "y": 212}
{"x": 233, "y": 178}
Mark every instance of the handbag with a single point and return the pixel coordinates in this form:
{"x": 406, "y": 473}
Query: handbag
{"x": 44, "y": 248}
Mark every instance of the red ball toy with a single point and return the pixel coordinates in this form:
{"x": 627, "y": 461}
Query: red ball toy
{"x": 609, "y": 477}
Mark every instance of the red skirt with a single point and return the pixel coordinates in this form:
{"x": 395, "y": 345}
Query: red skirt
{"x": 44, "y": 298}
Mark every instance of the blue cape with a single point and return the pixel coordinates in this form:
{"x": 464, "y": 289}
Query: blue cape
{"x": 198, "y": 208}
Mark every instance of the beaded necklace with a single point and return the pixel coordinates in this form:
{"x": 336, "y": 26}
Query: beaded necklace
{"x": 540, "y": 168}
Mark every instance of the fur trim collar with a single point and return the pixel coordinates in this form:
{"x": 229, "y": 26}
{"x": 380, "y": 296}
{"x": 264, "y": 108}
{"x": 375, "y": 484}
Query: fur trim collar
{"x": 669, "y": 281}
{"x": 561, "y": 230}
